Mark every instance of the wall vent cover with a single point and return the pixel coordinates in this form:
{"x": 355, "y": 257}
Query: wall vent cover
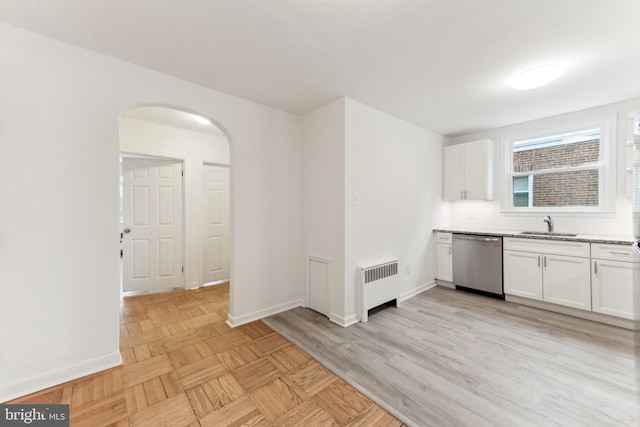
{"x": 371, "y": 274}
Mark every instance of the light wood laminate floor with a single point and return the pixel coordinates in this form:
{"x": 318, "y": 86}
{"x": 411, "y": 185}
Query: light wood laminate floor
{"x": 450, "y": 358}
{"x": 183, "y": 366}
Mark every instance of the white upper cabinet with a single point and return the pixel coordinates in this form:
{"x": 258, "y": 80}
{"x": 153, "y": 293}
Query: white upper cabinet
{"x": 453, "y": 170}
{"x": 468, "y": 171}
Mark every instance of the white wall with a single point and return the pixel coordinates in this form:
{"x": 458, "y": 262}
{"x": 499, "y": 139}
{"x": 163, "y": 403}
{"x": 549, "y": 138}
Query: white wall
{"x": 485, "y": 214}
{"x": 194, "y": 149}
{"x": 59, "y": 227}
{"x": 394, "y": 168}
{"x": 323, "y": 200}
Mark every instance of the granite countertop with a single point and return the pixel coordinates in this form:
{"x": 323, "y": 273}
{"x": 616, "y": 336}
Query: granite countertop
{"x": 588, "y": 238}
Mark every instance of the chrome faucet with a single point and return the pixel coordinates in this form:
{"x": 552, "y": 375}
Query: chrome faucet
{"x": 549, "y": 222}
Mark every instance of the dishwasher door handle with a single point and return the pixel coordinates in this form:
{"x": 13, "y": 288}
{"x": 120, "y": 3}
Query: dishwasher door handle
{"x": 478, "y": 238}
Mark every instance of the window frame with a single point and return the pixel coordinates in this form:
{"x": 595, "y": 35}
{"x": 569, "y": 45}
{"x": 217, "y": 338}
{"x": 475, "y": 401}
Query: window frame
{"x": 606, "y": 167}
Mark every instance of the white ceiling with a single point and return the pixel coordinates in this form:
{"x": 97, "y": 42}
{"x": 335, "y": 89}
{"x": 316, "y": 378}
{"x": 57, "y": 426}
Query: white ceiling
{"x": 441, "y": 64}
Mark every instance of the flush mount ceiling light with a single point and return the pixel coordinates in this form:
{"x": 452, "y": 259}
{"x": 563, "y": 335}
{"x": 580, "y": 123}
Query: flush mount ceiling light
{"x": 536, "y": 76}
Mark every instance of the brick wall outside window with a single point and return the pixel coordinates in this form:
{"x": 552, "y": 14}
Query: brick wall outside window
{"x": 574, "y": 188}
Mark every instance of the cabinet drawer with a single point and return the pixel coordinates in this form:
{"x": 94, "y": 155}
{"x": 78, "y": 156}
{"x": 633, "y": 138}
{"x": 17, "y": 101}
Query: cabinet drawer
{"x": 554, "y": 247}
{"x": 444, "y": 237}
{"x": 613, "y": 252}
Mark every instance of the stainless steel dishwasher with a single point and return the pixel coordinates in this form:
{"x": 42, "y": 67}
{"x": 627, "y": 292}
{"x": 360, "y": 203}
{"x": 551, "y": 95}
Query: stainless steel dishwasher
{"x": 477, "y": 263}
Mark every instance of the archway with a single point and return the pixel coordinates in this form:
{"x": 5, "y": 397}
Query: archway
{"x": 155, "y": 133}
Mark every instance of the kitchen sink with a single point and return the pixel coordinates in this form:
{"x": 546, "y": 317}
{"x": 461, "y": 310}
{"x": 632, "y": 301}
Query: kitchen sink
{"x": 546, "y": 233}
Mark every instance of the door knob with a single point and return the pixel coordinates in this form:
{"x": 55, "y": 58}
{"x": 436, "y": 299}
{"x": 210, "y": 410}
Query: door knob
{"x": 127, "y": 230}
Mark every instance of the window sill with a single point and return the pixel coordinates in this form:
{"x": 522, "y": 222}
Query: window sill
{"x": 571, "y": 212}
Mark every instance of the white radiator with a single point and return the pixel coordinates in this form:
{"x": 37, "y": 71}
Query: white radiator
{"x": 378, "y": 284}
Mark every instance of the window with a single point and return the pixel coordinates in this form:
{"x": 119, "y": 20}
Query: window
{"x": 563, "y": 170}
{"x": 523, "y": 191}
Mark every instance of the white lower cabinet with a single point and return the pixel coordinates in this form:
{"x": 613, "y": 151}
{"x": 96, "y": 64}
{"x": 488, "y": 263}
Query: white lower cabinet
{"x": 612, "y": 270}
{"x": 444, "y": 266}
{"x": 523, "y": 274}
{"x": 548, "y": 270}
{"x": 567, "y": 281}
{"x": 444, "y": 256}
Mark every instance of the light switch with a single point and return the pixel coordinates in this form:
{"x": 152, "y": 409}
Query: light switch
{"x": 356, "y": 200}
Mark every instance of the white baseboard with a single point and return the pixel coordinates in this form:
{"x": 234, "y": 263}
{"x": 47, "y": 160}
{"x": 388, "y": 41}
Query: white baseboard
{"x": 58, "y": 376}
{"x": 354, "y": 318}
{"x": 216, "y": 283}
{"x": 415, "y": 291}
{"x": 344, "y": 321}
{"x": 583, "y": 314}
{"x": 445, "y": 284}
{"x": 234, "y": 321}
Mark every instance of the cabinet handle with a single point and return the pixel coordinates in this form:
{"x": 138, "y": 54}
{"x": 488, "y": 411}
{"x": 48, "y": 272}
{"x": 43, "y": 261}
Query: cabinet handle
{"x": 538, "y": 260}
{"x": 465, "y": 194}
{"x": 619, "y": 253}
{"x": 545, "y": 261}
{"x": 595, "y": 267}
{"x": 449, "y": 250}
{"x": 461, "y": 194}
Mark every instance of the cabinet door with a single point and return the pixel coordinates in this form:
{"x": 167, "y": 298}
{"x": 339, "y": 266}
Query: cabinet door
{"x": 523, "y": 274}
{"x": 453, "y": 186}
{"x": 567, "y": 281}
{"x": 477, "y": 166}
{"x": 612, "y": 287}
{"x": 444, "y": 267}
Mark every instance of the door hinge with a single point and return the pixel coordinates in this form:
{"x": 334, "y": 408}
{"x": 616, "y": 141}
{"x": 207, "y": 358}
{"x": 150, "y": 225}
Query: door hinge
{"x": 183, "y": 268}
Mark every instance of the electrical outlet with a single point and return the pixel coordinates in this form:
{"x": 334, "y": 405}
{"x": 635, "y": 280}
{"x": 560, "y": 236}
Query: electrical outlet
{"x": 356, "y": 200}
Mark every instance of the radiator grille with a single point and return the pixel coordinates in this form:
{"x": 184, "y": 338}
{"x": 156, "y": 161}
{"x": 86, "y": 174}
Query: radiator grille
{"x": 381, "y": 271}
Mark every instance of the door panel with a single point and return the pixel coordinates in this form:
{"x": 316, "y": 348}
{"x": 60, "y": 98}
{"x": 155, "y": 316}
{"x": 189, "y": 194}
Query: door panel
{"x": 166, "y": 201}
{"x": 567, "y": 281}
{"x": 152, "y": 224}
{"x": 444, "y": 268}
{"x": 166, "y": 256}
{"x": 214, "y": 207}
{"x": 453, "y": 183}
{"x": 216, "y": 204}
{"x": 523, "y": 274}
{"x": 612, "y": 287}
{"x": 140, "y": 205}
{"x": 141, "y": 259}
{"x": 215, "y": 253}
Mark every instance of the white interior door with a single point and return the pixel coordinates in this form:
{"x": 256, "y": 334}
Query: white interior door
{"x": 216, "y": 202}
{"x": 152, "y": 224}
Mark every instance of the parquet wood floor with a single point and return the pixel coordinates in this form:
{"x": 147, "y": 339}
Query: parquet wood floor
{"x": 184, "y": 366}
